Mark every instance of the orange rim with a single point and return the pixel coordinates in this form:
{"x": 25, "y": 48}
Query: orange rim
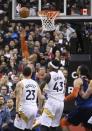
{"x": 48, "y": 13}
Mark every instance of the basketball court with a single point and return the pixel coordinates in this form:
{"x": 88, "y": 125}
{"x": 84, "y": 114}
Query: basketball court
{"x": 51, "y": 12}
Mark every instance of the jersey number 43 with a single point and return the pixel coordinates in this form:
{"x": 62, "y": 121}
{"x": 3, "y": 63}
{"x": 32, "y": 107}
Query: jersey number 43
{"x": 59, "y": 87}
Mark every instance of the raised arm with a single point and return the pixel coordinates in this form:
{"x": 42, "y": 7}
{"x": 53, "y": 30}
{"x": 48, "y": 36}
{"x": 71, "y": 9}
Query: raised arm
{"x": 77, "y": 85}
{"x": 41, "y": 99}
{"x": 45, "y": 81}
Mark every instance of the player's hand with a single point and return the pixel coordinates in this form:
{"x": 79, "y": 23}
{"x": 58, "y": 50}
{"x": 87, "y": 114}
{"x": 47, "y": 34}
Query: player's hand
{"x": 5, "y": 125}
{"x": 40, "y": 111}
{"x": 18, "y": 114}
{"x": 81, "y": 92}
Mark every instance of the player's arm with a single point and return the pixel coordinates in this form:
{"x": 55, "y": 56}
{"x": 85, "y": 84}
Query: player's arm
{"x": 88, "y": 92}
{"x": 40, "y": 95}
{"x": 77, "y": 85}
{"x": 45, "y": 81}
{"x": 18, "y": 94}
{"x": 41, "y": 99}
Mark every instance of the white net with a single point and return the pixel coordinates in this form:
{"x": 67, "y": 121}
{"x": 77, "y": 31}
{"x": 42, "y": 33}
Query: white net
{"x": 48, "y": 19}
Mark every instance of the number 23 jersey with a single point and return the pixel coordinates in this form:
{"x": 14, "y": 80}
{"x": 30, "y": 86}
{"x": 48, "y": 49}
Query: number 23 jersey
{"x": 56, "y": 87}
{"x": 30, "y": 91}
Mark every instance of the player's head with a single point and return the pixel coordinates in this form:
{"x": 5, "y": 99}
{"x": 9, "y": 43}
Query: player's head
{"x": 83, "y": 70}
{"x": 27, "y": 71}
{"x": 54, "y": 65}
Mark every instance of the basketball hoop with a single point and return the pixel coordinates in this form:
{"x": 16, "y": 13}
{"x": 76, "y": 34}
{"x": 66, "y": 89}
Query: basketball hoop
{"x": 48, "y": 19}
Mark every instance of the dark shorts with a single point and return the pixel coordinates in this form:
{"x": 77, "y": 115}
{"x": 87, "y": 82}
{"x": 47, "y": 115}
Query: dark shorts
{"x": 80, "y": 115}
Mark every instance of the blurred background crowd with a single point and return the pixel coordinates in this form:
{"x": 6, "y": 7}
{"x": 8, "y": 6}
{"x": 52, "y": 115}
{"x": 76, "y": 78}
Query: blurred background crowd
{"x": 74, "y": 7}
{"x": 69, "y": 38}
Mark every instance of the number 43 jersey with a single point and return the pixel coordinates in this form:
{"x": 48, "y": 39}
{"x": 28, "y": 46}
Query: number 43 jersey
{"x": 56, "y": 87}
{"x": 30, "y": 90}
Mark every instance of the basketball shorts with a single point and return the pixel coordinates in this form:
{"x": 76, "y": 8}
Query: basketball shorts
{"x": 52, "y": 113}
{"x": 27, "y": 117}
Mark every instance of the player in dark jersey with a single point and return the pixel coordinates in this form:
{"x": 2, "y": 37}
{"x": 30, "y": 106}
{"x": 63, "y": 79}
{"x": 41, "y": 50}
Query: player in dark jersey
{"x": 83, "y": 110}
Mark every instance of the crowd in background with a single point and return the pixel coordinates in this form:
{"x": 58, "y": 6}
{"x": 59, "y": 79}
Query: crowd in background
{"x": 43, "y": 47}
{"x": 75, "y": 7}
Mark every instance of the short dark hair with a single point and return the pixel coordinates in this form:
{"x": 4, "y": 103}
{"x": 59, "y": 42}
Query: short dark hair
{"x": 84, "y": 70}
{"x": 27, "y": 71}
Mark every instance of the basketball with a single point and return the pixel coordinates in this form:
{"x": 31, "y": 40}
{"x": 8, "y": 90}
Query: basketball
{"x": 24, "y": 12}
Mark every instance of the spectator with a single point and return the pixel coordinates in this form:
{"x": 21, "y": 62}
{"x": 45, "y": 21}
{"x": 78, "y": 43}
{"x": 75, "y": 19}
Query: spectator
{"x": 64, "y": 62}
{"x": 4, "y": 92}
{"x": 10, "y": 105}
{"x": 40, "y": 74}
{"x": 58, "y": 55}
{"x": 5, "y": 82}
{"x": 5, "y": 117}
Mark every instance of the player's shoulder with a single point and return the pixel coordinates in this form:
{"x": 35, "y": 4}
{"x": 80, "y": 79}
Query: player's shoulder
{"x": 19, "y": 86}
{"x": 90, "y": 82}
{"x": 78, "y": 81}
{"x": 34, "y": 82}
{"x": 19, "y": 83}
{"x": 59, "y": 71}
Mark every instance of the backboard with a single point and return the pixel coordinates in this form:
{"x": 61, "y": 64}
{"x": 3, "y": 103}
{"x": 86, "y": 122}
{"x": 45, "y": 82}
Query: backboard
{"x": 69, "y": 9}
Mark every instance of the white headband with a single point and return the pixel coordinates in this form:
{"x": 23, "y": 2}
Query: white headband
{"x": 55, "y": 67}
